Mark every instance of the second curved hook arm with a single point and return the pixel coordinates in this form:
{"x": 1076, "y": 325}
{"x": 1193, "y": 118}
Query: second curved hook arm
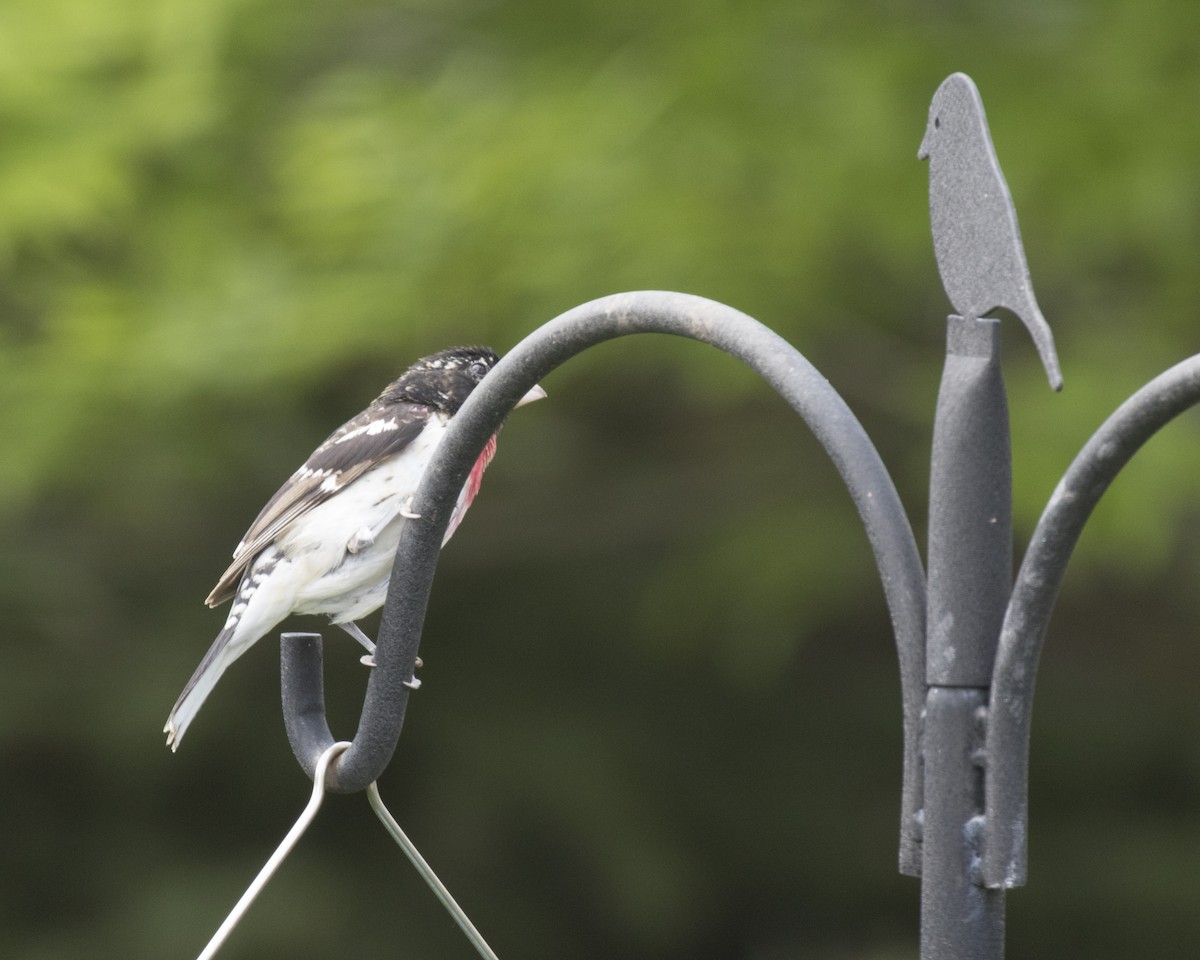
{"x": 1029, "y": 610}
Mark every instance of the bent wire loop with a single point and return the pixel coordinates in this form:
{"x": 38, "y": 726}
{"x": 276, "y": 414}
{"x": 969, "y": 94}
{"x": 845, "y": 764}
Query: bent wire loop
{"x": 1041, "y": 573}
{"x": 307, "y": 815}
{"x": 696, "y": 318}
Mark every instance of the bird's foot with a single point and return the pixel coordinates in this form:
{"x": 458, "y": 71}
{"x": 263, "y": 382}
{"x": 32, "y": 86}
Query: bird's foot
{"x": 414, "y": 683}
{"x": 406, "y": 510}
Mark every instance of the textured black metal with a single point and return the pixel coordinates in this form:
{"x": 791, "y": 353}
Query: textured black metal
{"x": 960, "y": 920}
{"x": 970, "y": 509}
{"x": 1034, "y": 593}
{"x": 975, "y": 236}
{"x": 970, "y": 575}
{"x": 779, "y": 363}
{"x": 302, "y": 679}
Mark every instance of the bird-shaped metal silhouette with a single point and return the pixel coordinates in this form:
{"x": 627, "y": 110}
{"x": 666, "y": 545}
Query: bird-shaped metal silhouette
{"x": 975, "y": 234}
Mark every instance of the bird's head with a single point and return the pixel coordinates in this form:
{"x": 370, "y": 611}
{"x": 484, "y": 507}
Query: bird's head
{"x": 954, "y": 114}
{"x": 445, "y": 379}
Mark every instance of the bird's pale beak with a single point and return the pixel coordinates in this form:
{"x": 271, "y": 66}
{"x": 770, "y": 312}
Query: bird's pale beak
{"x": 537, "y": 393}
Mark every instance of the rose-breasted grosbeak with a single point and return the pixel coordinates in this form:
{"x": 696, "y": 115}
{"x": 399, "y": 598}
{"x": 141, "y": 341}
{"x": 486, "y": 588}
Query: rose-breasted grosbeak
{"x": 326, "y": 542}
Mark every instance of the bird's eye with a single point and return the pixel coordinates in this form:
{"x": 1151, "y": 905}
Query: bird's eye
{"x": 937, "y": 123}
{"x": 477, "y": 369}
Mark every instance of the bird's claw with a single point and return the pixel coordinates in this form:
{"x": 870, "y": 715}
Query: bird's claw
{"x": 413, "y": 683}
{"x": 406, "y": 510}
{"x": 368, "y": 660}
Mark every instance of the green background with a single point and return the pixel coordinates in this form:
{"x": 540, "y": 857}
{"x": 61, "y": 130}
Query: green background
{"x": 661, "y": 713}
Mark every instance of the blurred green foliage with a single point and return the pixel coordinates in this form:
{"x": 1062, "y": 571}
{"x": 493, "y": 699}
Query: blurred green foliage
{"x": 661, "y": 716}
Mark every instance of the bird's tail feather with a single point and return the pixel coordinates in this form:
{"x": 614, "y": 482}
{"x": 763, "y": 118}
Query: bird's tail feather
{"x": 220, "y": 655}
{"x": 1043, "y": 339}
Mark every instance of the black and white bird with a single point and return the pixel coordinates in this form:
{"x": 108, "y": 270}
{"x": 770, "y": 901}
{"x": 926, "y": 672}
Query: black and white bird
{"x": 326, "y": 542}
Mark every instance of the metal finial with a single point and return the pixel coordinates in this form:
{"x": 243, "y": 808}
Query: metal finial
{"x": 975, "y": 234}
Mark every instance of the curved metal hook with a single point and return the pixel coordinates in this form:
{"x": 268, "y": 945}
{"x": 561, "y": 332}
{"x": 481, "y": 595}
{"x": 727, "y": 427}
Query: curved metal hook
{"x": 780, "y": 364}
{"x": 1024, "y": 631}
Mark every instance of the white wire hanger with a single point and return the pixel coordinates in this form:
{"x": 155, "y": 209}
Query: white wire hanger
{"x": 298, "y": 829}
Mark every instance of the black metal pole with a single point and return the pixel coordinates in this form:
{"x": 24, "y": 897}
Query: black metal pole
{"x": 970, "y": 573}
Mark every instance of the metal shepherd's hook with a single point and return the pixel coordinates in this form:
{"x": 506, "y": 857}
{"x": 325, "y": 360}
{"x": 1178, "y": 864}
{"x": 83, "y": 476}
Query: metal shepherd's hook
{"x": 775, "y": 360}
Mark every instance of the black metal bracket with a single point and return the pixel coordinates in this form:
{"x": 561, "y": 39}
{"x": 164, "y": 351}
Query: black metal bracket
{"x": 968, "y": 668}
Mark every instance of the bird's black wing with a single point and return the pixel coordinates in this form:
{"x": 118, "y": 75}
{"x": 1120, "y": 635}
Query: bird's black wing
{"x": 374, "y": 435}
